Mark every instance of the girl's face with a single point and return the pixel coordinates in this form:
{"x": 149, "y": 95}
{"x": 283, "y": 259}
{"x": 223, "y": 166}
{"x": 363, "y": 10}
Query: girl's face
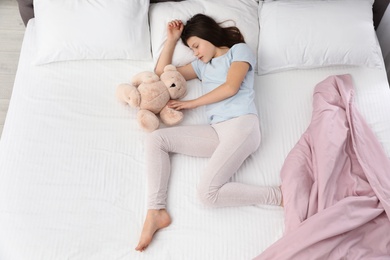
{"x": 203, "y": 50}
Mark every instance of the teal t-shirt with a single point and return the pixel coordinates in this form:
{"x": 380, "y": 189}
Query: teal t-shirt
{"x": 213, "y": 74}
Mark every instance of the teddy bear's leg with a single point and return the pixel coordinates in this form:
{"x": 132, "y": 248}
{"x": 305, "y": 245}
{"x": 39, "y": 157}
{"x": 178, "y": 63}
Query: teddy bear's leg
{"x": 171, "y": 116}
{"x": 147, "y": 120}
{"x": 128, "y": 94}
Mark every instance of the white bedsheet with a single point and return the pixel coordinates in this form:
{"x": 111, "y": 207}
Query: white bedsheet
{"x": 72, "y": 183}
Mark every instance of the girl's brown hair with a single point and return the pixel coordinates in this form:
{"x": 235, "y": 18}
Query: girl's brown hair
{"x": 208, "y": 29}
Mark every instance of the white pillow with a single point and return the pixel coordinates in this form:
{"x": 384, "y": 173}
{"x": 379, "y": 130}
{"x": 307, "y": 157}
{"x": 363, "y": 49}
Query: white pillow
{"x": 99, "y": 29}
{"x": 241, "y": 13}
{"x": 301, "y": 34}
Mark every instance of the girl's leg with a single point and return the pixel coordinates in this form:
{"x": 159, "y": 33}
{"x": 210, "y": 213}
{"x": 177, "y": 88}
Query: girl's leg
{"x": 198, "y": 141}
{"x": 238, "y": 138}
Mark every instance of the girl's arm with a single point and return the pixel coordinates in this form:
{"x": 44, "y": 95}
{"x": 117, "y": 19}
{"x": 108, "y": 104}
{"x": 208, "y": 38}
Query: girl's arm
{"x": 174, "y": 30}
{"x": 235, "y": 76}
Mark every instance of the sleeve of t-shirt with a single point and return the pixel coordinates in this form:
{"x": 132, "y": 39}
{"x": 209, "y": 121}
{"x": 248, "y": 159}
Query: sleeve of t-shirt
{"x": 197, "y": 65}
{"x": 242, "y": 52}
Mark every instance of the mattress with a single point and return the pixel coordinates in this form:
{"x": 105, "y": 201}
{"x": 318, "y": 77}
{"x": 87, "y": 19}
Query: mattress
{"x": 72, "y": 182}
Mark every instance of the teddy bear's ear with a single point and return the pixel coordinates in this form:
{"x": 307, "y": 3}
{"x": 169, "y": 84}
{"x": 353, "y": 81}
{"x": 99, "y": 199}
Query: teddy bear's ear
{"x": 169, "y": 67}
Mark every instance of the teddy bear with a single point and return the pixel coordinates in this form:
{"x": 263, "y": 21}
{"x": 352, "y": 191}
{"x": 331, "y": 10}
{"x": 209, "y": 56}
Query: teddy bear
{"x": 150, "y": 94}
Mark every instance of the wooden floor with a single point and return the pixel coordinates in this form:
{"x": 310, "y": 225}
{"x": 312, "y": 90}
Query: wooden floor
{"x": 11, "y": 37}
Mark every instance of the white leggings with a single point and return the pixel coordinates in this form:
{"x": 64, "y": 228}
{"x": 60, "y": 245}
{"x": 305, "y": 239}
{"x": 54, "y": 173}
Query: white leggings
{"x": 227, "y": 144}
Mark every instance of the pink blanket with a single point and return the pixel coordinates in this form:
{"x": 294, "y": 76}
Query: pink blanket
{"x": 336, "y": 184}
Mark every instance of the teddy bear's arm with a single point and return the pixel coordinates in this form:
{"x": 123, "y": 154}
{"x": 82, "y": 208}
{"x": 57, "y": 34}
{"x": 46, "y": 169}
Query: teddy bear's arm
{"x": 128, "y": 94}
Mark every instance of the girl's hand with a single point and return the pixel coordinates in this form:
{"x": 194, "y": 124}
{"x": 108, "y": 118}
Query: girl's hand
{"x": 174, "y": 29}
{"x": 179, "y": 105}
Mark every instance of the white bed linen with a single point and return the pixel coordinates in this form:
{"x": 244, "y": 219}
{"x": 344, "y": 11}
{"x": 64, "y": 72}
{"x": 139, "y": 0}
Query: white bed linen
{"x": 72, "y": 183}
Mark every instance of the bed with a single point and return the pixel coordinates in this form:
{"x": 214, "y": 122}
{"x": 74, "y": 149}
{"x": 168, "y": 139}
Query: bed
{"x": 72, "y": 183}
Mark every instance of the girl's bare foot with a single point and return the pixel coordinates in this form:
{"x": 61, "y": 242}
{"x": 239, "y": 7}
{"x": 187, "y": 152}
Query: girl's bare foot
{"x": 155, "y": 219}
